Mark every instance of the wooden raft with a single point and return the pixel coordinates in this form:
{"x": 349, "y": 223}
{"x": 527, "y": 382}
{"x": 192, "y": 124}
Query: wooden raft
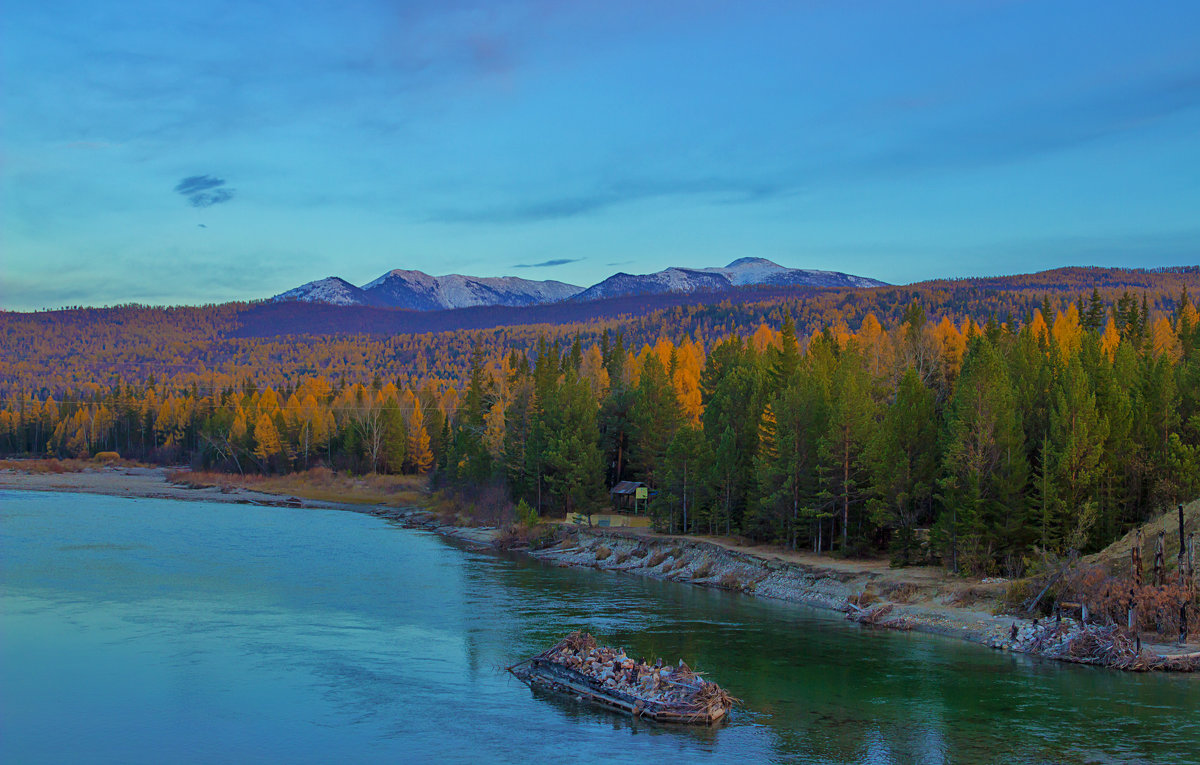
{"x": 711, "y": 704}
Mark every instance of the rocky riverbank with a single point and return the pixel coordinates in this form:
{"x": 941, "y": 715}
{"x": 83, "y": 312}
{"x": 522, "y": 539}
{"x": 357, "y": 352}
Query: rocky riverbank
{"x": 903, "y": 599}
{"x": 869, "y": 592}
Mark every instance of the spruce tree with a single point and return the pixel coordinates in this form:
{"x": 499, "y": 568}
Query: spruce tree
{"x": 902, "y": 459}
{"x": 656, "y": 416}
{"x": 985, "y": 469}
{"x": 1076, "y": 442}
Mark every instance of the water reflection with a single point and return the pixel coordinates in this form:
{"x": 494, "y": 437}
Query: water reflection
{"x": 235, "y": 633}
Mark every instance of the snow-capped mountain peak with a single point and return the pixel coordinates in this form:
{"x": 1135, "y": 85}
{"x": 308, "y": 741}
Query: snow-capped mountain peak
{"x": 741, "y": 272}
{"x": 403, "y": 288}
{"x": 332, "y": 289}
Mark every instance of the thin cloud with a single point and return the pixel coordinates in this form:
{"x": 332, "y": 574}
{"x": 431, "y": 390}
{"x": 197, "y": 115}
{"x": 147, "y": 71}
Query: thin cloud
{"x": 718, "y": 190}
{"x": 204, "y": 190}
{"x": 548, "y": 263}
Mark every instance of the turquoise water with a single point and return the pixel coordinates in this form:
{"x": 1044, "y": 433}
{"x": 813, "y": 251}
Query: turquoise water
{"x": 148, "y": 631}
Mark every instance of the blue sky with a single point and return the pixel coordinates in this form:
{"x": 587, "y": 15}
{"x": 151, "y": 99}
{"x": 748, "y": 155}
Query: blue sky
{"x": 208, "y": 151}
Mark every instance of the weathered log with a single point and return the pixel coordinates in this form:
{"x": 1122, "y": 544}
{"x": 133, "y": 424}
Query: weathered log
{"x": 1160, "y": 566}
{"x": 1136, "y": 563}
{"x": 1182, "y": 545}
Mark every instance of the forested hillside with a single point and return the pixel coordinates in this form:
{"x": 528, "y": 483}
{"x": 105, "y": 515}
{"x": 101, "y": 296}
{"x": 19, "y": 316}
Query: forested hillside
{"x": 971, "y": 419}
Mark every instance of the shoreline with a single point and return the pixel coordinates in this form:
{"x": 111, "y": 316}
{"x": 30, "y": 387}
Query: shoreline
{"x": 919, "y": 599}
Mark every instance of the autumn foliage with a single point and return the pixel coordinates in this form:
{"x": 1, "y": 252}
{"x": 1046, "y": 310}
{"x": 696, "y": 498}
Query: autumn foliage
{"x": 966, "y": 422}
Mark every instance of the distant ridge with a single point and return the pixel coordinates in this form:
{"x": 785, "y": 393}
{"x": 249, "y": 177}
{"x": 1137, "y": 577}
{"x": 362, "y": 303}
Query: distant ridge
{"x": 740, "y": 273}
{"x": 417, "y": 290}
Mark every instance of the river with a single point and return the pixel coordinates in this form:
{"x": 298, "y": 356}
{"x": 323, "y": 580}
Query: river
{"x": 147, "y": 631}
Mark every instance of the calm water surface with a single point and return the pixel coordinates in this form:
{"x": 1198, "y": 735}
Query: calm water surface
{"x": 155, "y": 631}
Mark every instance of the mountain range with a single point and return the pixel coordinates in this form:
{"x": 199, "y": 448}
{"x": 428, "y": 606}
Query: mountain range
{"x": 419, "y": 291}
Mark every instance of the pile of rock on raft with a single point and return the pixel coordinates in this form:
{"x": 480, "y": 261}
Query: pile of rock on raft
{"x": 612, "y": 669}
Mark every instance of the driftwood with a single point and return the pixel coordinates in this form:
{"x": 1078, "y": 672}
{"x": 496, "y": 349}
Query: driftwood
{"x": 1032, "y": 603}
{"x": 877, "y": 617}
{"x": 1112, "y": 647}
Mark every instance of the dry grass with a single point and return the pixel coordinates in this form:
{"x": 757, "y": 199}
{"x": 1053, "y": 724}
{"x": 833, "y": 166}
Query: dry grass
{"x": 54, "y": 466}
{"x": 537, "y": 537}
{"x": 602, "y": 552}
{"x": 703, "y": 571}
{"x": 320, "y": 484}
{"x": 967, "y": 596}
{"x": 1116, "y": 556}
{"x": 656, "y": 559}
{"x": 640, "y": 552}
{"x": 622, "y": 558}
{"x": 47, "y": 466}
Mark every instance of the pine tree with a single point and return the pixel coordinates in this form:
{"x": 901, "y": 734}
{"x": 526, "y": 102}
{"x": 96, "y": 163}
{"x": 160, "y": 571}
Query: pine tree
{"x": 656, "y": 416}
{"x": 731, "y": 385}
{"x": 786, "y": 463}
{"x": 1093, "y": 317}
{"x": 1076, "y": 441}
{"x": 785, "y": 360}
{"x": 851, "y": 412}
{"x": 902, "y": 459}
{"x": 985, "y": 470}
{"x": 519, "y": 422}
{"x": 684, "y": 486}
{"x": 572, "y": 458}
{"x": 395, "y": 439}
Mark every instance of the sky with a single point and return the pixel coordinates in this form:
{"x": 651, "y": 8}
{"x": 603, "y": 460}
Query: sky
{"x": 170, "y": 153}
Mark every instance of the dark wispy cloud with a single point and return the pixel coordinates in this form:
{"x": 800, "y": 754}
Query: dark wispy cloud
{"x": 548, "y": 263}
{"x": 720, "y": 190}
{"x": 204, "y": 190}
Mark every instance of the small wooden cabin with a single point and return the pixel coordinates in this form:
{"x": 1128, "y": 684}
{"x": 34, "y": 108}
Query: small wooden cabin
{"x": 626, "y": 497}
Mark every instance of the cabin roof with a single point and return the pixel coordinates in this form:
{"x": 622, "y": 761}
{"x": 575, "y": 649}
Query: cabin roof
{"x": 626, "y": 487}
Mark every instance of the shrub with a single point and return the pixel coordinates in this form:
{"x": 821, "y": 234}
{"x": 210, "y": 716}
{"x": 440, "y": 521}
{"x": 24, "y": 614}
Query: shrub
{"x": 703, "y": 571}
{"x": 640, "y": 552}
{"x": 602, "y": 552}
{"x": 1015, "y": 595}
{"x": 902, "y": 592}
{"x": 107, "y": 457}
{"x": 865, "y": 598}
{"x": 656, "y": 559}
{"x": 526, "y": 515}
{"x": 731, "y": 581}
{"x": 622, "y": 558}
